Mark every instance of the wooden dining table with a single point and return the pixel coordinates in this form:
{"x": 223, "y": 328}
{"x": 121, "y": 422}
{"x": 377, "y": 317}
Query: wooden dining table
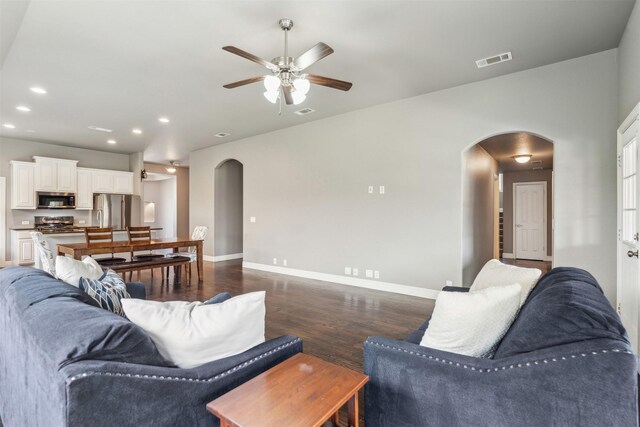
{"x": 78, "y": 250}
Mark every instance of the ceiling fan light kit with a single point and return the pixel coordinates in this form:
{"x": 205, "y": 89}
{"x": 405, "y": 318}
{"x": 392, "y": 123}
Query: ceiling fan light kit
{"x": 287, "y": 80}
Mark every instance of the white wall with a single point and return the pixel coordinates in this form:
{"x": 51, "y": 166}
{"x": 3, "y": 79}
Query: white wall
{"x": 163, "y": 194}
{"x": 480, "y": 174}
{"x": 307, "y": 185}
{"x": 629, "y": 65}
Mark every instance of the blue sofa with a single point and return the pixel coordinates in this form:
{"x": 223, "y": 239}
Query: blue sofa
{"x": 66, "y": 362}
{"x": 565, "y": 361}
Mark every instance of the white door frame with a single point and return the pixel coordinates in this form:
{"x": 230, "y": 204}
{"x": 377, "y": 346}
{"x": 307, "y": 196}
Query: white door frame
{"x": 544, "y": 215}
{"x": 3, "y": 219}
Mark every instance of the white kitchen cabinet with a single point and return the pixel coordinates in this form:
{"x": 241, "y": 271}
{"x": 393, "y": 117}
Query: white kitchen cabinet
{"x": 22, "y": 249}
{"x": 123, "y": 182}
{"x": 23, "y": 192}
{"x": 112, "y": 182}
{"x": 56, "y": 175}
{"x": 84, "y": 198}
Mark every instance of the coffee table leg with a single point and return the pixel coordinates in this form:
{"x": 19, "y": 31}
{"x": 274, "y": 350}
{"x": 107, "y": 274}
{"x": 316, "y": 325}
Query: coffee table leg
{"x": 335, "y": 418}
{"x": 352, "y": 406}
{"x": 225, "y": 423}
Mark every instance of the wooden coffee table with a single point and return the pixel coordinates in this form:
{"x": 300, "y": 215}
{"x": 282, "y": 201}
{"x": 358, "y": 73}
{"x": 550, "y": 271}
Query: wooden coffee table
{"x": 301, "y": 391}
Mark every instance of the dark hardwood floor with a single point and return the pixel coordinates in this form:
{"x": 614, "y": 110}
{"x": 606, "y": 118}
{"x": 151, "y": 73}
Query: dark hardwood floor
{"x": 333, "y": 320}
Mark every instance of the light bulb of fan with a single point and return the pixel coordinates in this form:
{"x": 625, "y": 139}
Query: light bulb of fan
{"x": 302, "y": 85}
{"x": 271, "y": 83}
{"x": 272, "y": 96}
{"x": 298, "y": 97}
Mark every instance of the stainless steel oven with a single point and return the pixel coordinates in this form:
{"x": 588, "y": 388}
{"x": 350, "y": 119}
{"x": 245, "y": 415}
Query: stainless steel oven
{"x": 56, "y": 200}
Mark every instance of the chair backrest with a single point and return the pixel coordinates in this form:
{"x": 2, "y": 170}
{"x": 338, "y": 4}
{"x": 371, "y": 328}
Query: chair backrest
{"x": 139, "y": 234}
{"x": 98, "y": 235}
{"x": 199, "y": 233}
{"x": 47, "y": 259}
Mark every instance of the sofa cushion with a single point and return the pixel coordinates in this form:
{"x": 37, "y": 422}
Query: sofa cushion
{"x": 566, "y": 306}
{"x": 495, "y": 273}
{"x": 66, "y": 324}
{"x": 71, "y": 270}
{"x": 472, "y": 323}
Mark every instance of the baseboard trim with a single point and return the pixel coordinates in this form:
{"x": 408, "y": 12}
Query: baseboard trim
{"x": 549, "y": 258}
{"x": 506, "y": 255}
{"x": 343, "y": 280}
{"x": 222, "y": 257}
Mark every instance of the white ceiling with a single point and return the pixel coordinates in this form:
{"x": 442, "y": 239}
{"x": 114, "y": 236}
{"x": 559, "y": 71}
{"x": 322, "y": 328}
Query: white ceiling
{"x": 123, "y": 64}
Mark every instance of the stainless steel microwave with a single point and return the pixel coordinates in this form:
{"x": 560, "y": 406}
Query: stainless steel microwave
{"x": 56, "y": 200}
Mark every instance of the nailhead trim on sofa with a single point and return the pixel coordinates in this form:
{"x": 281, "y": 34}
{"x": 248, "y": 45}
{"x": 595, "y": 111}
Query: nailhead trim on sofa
{"x": 169, "y": 378}
{"x": 519, "y": 365}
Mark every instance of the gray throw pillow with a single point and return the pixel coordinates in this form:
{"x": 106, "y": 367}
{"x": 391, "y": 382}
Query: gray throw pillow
{"x": 107, "y": 291}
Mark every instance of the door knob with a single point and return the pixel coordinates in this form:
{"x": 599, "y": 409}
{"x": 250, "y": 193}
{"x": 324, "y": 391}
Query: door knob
{"x": 632, "y": 254}
{"x": 518, "y": 225}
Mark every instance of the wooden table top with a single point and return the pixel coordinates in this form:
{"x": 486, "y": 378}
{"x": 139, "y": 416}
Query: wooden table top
{"x": 301, "y": 391}
{"x": 126, "y": 243}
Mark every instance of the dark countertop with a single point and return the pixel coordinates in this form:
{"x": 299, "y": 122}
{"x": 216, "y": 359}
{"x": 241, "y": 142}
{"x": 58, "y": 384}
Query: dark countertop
{"x": 78, "y": 229}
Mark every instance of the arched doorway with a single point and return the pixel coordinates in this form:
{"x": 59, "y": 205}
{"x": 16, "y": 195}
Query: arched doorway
{"x": 508, "y": 202}
{"x": 228, "y": 208}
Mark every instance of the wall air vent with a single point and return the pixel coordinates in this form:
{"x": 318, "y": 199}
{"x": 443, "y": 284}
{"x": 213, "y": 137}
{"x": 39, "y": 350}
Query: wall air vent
{"x": 304, "y": 111}
{"x": 221, "y": 134}
{"x": 493, "y": 60}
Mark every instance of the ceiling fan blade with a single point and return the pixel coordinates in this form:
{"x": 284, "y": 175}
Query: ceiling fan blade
{"x": 244, "y": 82}
{"x": 250, "y": 57}
{"x": 329, "y": 82}
{"x": 312, "y": 56}
{"x": 286, "y": 90}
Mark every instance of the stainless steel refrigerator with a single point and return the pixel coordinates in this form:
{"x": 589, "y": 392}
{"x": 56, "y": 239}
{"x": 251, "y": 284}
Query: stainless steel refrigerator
{"x": 112, "y": 210}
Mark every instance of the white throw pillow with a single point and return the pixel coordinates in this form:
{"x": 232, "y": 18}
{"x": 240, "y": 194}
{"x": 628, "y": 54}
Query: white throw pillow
{"x": 190, "y": 333}
{"x": 71, "y": 270}
{"x": 495, "y": 273}
{"x": 472, "y": 323}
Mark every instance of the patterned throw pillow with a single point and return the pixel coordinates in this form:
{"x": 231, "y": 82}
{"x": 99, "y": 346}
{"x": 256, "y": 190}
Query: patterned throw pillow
{"x": 108, "y": 290}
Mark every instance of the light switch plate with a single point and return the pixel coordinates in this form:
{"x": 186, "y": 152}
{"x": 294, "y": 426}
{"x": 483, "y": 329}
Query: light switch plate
{"x": 354, "y": 271}
{"x": 252, "y": 219}
{"x": 448, "y": 283}
{"x": 371, "y": 189}
{"x": 275, "y": 261}
{"x": 382, "y": 189}
{"x": 347, "y": 271}
{"x": 82, "y": 221}
{"x": 376, "y": 274}
{"x": 25, "y": 222}
{"x": 284, "y": 262}
{"x": 368, "y": 273}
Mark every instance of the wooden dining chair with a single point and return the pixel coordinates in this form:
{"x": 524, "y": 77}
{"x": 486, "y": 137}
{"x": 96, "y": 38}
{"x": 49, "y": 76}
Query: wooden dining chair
{"x": 96, "y": 236}
{"x": 142, "y": 235}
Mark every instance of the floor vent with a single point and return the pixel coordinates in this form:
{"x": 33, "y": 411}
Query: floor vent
{"x": 493, "y": 60}
{"x": 304, "y": 111}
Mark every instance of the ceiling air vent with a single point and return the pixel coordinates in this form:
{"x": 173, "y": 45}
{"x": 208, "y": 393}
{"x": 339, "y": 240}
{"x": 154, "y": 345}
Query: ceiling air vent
{"x": 537, "y": 168}
{"x": 493, "y": 60}
{"x": 221, "y": 134}
{"x": 536, "y": 162}
{"x": 304, "y": 111}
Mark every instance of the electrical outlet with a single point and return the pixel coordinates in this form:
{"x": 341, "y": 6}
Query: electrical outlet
{"x": 82, "y": 221}
{"x": 376, "y": 274}
{"x": 371, "y": 189}
{"x": 284, "y": 262}
{"x": 448, "y": 283}
{"x": 25, "y": 222}
{"x": 382, "y": 189}
{"x": 368, "y": 274}
{"x": 252, "y": 219}
{"x": 275, "y": 261}
{"x": 347, "y": 271}
{"x": 354, "y": 270}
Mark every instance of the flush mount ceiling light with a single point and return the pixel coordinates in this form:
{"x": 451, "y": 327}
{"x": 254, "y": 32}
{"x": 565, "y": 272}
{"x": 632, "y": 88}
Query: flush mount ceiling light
{"x": 38, "y": 90}
{"x": 286, "y": 78}
{"x": 23, "y": 108}
{"x": 172, "y": 167}
{"x": 522, "y": 158}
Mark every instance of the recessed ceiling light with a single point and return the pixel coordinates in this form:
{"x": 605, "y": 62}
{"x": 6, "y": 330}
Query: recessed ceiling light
{"x": 111, "y": 141}
{"x": 137, "y": 131}
{"x": 163, "y": 120}
{"x": 23, "y": 108}
{"x": 99, "y": 129}
{"x": 221, "y": 134}
{"x": 9, "y": 126}
{"x": 38, "y": 90}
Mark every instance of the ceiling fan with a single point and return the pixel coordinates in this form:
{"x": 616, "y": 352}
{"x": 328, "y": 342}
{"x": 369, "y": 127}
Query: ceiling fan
{"x": 287, "y": 77}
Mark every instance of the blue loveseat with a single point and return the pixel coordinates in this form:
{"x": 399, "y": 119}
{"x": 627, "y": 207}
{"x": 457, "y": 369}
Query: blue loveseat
{"x": 565, "y": 361}
{"x": 66, "y": 362}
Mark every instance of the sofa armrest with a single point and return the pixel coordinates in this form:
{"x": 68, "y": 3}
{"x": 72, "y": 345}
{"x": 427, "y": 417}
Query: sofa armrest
{"x": 588, "y": 383}
{"x": 455, "y": 289}
{"x": 136, "y": 290}
{"x": 114, "y": 393}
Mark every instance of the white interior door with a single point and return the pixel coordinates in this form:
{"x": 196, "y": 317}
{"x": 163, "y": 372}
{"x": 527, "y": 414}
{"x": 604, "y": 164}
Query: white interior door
{"x": 530, "y": 220}
{"x": 628, "y": 226}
